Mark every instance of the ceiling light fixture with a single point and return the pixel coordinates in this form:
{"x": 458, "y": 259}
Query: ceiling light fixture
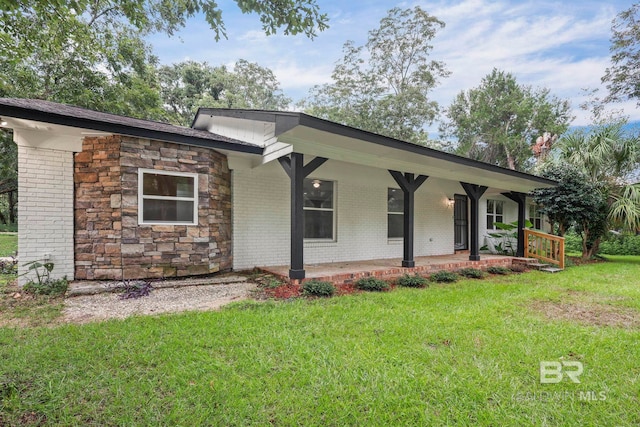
{"x": 316, "y": 183}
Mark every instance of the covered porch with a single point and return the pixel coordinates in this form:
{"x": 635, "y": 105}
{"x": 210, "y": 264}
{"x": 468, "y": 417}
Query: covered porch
{"x": 350, "y": 271}
{"x": 355, "y": 195}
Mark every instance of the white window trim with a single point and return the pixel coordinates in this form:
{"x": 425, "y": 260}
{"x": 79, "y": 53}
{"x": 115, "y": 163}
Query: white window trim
{"x": 334, "y": 238}
{"x": 142, "y": 197}
{"x": 537, "y": 215}
{"x": 393, "y": 240}
{"x": 494, "y": 214}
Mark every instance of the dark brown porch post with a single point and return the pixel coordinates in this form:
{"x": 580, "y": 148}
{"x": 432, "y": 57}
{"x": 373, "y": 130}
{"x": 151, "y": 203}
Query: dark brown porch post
{"x": 521, "y": 200}
{"x": 409, "y": 184}
{"x": 297, "y": 171}
{"x": 474, "y": 192}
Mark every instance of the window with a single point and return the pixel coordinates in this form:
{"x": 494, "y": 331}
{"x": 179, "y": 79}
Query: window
{"x": 167, "y": 197}
{"x": 495, "y": 209}
{"x": 319, "y": 218}
{"x": 535, "y": 216}
{"x": 395, "y": 213}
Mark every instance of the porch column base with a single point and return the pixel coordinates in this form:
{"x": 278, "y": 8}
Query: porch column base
{"x": 409, "y": 264}
{"x": 296, "y": 274}
{"x": 474, "y": 257}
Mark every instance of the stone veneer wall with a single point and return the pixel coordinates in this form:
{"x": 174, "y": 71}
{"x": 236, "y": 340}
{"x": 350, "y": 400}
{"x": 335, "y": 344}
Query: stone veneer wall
{"x": 110, "y": 244}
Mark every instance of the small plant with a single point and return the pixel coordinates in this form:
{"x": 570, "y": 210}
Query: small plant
{"x": 44, "y": 284}
{"x": 9, "y": 266}
{"x": 471, "y": 273}
{"x": 136, "y": 289}
{"x": 415, "y": 281}
{"x": 507, "y": 240}
{"x": 495, "y": 269}
{"x": 269, "y": 282}
{"x": 317, "y": 288}
{"x": 372, "y": 284}
{"x": 445, "y": 277}
{"x": 50, "y": 287}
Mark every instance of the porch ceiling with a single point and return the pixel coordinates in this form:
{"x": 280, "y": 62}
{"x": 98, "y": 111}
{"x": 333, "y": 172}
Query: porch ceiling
{"x": 352, "y": 150}
{"x": 318, "y": 137}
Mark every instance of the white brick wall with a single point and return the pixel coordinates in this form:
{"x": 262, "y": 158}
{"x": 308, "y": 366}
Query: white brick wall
{"x": 261, "y": 211}
{"x": 45, "y": 213}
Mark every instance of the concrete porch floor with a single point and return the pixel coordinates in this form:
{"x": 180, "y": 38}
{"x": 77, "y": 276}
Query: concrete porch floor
{"x": 350, "y": 271}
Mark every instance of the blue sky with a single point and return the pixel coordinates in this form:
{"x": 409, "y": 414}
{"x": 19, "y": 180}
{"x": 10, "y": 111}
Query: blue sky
{"x": 563, "y": 46}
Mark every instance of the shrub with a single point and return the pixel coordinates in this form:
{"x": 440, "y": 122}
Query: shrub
{"x": 572, "y": 242}
{"x": 415, "y": 281}
{"x": 48, "y": 287}
{"x": 518, "y": 268}
{"x": 471, "y": 273}
{"x": 621, "y": 244}
{"x": 318, "y": 289}
{"x": 372, "y": 284}
{"x": 444, "y": 277}
{"x": 495, "y": 269}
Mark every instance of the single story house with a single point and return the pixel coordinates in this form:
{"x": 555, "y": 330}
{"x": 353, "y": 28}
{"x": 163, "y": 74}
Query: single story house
{"x": 107, "y": 197}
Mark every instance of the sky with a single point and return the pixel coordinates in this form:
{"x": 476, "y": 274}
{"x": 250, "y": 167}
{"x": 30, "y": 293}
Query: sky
{"x": 563, "y": 46}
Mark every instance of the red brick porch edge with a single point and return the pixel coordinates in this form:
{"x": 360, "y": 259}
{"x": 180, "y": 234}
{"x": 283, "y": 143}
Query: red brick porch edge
{"x": 390, "y": 273}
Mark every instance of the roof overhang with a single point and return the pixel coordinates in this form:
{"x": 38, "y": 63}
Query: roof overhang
{"x": 317, "y": 137}
{"x": 34, "y": 115}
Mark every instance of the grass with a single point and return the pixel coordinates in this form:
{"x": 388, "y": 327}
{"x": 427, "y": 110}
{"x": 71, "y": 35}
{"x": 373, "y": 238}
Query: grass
{"x": 8, "y": 244}
{"x": 455, "y": 354}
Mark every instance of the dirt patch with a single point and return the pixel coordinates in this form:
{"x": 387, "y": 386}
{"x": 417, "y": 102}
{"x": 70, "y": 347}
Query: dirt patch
{"x": 589, "y": 313}
{"x": 577, "y": 261}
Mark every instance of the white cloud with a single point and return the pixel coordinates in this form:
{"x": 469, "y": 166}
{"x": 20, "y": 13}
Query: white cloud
{"x": 560, "y": 45}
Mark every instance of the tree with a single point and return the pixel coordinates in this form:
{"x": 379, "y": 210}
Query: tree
{"x": 188, "y": 85}
{"x": 575, "y": 201}
{"x": 623, "y": 76}
{"x": 606, "y": 158}
{"x": 8, "y": 177}
{"x": 383, "y": 86}
{"x": 92, "y": 53}
{"x": 609, "y": 156}
{"x": 500, "y": 120}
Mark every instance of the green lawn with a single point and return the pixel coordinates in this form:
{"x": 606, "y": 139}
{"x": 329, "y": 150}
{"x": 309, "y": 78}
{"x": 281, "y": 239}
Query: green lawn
{"x": 461, "y": 354}
{"x": 8, "y": 244}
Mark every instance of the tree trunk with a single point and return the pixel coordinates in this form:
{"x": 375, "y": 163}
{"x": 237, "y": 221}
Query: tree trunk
{"x": 510, "y": 160}
{"x": 12, "y": 208}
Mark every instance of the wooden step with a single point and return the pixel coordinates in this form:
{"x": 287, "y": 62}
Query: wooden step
{"x": 551, "y": 269}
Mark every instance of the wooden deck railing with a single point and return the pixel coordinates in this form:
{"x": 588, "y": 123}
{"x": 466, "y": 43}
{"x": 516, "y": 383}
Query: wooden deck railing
{"x": 545, "y": 247}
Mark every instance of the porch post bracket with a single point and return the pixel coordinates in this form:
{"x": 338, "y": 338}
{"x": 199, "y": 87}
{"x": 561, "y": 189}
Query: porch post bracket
{"x": 285, "y": 162}
{"x": 474, "y": 192}
{"x": 297, "y": 171}
{"x": 409, "y": 183}
{"x": 521, "y": 200}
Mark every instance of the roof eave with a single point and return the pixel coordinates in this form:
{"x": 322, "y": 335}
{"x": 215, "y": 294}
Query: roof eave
{"x": 115, "y": 128}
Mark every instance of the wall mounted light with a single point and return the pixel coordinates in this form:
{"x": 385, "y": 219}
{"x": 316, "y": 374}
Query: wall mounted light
{"x": 3, "y": 122}
{"x": 451, "y": 202}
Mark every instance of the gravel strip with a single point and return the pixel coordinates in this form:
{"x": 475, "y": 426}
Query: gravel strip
{"x": 91, "y": 308}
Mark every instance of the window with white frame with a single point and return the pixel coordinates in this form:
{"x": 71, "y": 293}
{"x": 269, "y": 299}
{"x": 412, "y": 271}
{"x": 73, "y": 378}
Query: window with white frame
{"x": 495, "y": 212}
{"x": 167, "y": 197}
{"x": 319, "y": 209}
{"x": 535, "y": 216}
{"x": 395, "y": 213}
